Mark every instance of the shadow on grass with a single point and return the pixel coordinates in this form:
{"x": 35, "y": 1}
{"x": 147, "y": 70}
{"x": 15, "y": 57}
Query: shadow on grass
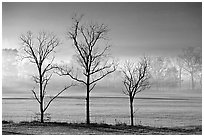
{"x": 118, "y": 128}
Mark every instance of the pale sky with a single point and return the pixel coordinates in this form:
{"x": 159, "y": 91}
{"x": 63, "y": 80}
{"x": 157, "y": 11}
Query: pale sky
{"x": 135, "y": 28}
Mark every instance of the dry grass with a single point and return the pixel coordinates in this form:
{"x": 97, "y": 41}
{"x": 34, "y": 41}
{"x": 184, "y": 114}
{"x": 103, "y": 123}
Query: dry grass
{"x": 54, "y": 128}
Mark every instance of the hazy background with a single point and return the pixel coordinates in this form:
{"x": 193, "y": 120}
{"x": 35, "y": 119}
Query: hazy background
{"x": 160, "y": 29}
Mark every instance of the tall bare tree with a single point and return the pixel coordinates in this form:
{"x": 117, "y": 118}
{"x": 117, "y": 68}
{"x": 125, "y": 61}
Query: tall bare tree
{"x": 92, "y": 57}
{"x": 39, "y": 51}
{"x": 192, "y": 61}
{"x": 136, "y": 79}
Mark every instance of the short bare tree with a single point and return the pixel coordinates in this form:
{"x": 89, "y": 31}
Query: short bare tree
{"x": 39, "y": 51}
{"x": 91, "y": 56}
{"x": 136, "y": 79}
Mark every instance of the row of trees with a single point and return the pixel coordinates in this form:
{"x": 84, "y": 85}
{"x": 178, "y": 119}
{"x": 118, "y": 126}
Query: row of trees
{"x": 93, "y": 62}
{"x": 191, "y": 62}
{"x": 170, "y": 72}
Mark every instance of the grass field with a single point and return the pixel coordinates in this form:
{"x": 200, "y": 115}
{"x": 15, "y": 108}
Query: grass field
{"x": 169, "y": 108}
{"x": 25, "y": 128}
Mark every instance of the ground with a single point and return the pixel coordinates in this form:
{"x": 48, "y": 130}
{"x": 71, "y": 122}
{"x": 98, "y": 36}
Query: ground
{"x": 26, "y": 128}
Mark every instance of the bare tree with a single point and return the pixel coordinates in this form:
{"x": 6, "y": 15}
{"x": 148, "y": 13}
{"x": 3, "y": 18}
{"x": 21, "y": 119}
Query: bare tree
{"x": 158, "y": 66}
{"x": 192, "y": 61}
{"x": 179, "y": 63}
{"x": 136, "y": 79}
{"x": 172, "y": 77}
{"x": 38, "y": 51}
{"x": 94, "y": 60}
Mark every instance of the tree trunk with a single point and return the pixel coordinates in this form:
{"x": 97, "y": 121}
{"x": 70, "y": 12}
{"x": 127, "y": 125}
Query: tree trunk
{"x": 192, "y": 80}
{"x": 87, "y": 102}
{"x": 41, "y": 116}
{"x": 41, "y": 106}
{"x": 131, "y": 112}
{"x": 201, "y": 80}
{"x": 41, "y": 98}
{"x": 180, "y": 79}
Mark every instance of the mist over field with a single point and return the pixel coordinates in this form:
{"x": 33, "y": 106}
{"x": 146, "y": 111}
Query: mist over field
{"x": 163, "y": 106}
{"x": 114, "y": 63}
{"x": 19, "y": 74}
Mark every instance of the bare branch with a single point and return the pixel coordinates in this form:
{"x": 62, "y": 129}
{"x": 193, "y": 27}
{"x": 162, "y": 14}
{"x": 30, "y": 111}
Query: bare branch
{"x": 46, "y": 79}
{"x": 28, "y": 47}
{"x": 37, "y": 50}
{"x": 63, "y": 72}
{"x": 102, "y": 76}
{"x": 100, "y": 54}
{"x": 33, "y": 90}
{"x": 36, "y": 79}
{"x": 93, "y": 62}
{"x": 136, "y": 77}
{"x": 92, "y": 87}
{"x": 101, "y": 69}
{"x": 84, "y": 35}
{"x": 66, "y": 87}
{"x": 48, "y": 67}
{"x": 125, "y": 92}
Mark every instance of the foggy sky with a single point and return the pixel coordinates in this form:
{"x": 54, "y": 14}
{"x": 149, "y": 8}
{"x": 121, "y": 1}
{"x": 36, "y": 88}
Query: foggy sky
{"x": 135, "y": 28}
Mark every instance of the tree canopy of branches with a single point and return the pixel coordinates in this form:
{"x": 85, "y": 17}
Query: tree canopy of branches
{"x": 172, "y": 77}
{"x": 39, "y": 51}
{"x": 192, "y": 61}
{"x": 158, "y": 66}
{"x": 136, "y": 79}
{"x": 94, "y": 60}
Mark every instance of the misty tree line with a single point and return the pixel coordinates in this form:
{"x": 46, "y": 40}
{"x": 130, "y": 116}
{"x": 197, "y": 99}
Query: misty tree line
{"x": 93, "y": 62}
{"x": 177, "y": 72}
